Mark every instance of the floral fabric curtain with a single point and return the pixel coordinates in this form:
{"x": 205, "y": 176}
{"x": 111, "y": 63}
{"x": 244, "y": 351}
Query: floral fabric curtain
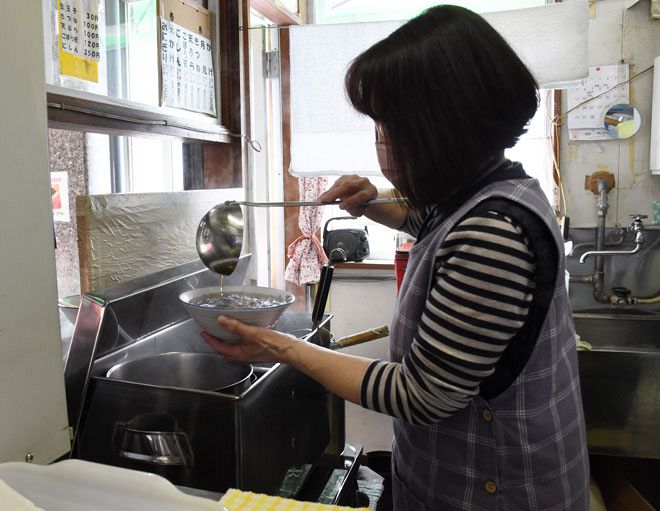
{"x": 306, "y": 255}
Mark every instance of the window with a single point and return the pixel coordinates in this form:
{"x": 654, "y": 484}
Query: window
{"x": 120, "y": 39}
{"x": 347, "y": 11}
{"x": 108, "y": 64}
{"x": 290, "y": 5}
{"x": 110, "y": 130}
{"x": 118, "y": 164}
{"x": 533, "y": 149}
{"x": 382, "y": 240}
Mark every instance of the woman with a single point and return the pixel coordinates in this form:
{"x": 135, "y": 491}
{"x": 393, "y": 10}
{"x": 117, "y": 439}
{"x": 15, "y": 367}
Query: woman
{"x": 483, "y": 379}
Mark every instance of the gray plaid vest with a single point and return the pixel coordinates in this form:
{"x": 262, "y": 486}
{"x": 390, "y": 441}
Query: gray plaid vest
{"x": 524, "y": 449}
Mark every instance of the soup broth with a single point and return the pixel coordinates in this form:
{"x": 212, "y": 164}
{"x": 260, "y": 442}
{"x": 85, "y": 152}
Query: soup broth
{"x": 231, "y": 300}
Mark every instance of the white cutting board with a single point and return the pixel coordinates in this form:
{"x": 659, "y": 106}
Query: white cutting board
{"x": 76, "y": 485}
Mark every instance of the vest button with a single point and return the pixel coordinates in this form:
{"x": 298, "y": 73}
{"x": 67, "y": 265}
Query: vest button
{"x": 490, "y": 486}
{"x": 487, "y": 415}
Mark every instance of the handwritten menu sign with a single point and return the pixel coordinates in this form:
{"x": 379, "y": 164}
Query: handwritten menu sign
{"x": 586, "y": 122}
{"x": 186, "y": 69}
{"x": 79, "y": 38}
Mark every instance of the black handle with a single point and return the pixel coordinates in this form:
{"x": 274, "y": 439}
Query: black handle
{"x": 621, "y": 292}
{"x": 325, "y": 227}
{"x": 322, "y": 294}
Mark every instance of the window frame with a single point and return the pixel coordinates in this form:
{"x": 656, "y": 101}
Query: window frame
{"x": 85, "y": 111}
{"x": 278, "y": 14}
{"x": 213, "y": 146}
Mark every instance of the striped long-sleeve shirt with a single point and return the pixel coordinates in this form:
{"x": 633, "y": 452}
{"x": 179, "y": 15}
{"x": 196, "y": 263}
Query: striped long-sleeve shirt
{"x": 479, "y": 299}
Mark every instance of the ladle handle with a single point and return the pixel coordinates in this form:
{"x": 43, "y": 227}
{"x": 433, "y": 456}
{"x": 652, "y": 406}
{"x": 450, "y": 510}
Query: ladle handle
{"x": 366, "y": 336}
{"x": 382, "y": 200}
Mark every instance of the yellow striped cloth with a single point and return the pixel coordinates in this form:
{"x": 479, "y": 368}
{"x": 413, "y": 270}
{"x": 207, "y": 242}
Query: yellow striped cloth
{"x": 237, "y": 500}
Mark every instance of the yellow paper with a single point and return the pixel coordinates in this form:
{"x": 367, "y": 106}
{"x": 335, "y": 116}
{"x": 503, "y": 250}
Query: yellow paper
{"x": 84, "y": 69}
{"x": 73, "y": 65}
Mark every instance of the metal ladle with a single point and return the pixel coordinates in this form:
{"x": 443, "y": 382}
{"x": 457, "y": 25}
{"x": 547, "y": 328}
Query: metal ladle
{"x": 220, "y": 232}
{"x": 220, "y": 237}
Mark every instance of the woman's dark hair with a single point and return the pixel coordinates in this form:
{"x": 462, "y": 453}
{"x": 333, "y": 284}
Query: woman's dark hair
{"x": 449, "y": 94}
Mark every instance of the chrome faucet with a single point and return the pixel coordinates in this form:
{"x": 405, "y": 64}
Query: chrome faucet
{"x": 636, "y": 226}
{"x": 619, "y": 296}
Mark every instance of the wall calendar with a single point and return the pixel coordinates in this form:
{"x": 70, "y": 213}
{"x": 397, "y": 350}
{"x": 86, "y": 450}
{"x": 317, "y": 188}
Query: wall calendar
{"x": 587, "y": 121}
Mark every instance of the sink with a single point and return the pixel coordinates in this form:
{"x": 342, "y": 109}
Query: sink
{"x": 627, "y": 332}
{"x": 620, "y": 381}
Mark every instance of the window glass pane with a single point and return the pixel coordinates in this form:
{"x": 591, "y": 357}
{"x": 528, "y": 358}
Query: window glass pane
{"x": 134, "y": 164}
{"x": 534, "y": 150}
{"x": 289, "y": 5}
{"x": 382, "y": 239}
{"x": 128, "y": 62}
{"x": 64, "y": 27}
{"x": 126, "y": 32}
{"x": 156, "y": 165}
{"x": 132, "y": 50}
{"x": 99, "y": 171}
{"x": 345, "y": 11}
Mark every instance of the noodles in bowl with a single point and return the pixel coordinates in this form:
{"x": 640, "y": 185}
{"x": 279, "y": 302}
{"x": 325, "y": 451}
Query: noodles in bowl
{"x": 253, "y": 305}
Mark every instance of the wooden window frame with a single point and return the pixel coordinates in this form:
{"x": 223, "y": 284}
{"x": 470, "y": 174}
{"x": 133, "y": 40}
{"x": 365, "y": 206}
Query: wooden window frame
{"x": 279, "y": 15}
{"x": 284, "y": 18}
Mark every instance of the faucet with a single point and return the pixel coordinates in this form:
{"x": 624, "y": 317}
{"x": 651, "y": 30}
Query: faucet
{"x": 620, "y": 296}
{"x": 636, "y": 226}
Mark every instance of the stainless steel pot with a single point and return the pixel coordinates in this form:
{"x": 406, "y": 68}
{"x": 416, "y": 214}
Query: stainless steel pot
{"x": 155, "y": 438}
{"x": 196, "y": 371}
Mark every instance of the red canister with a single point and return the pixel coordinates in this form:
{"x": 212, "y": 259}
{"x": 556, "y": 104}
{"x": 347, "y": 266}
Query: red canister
{"x": 400, "y": 262}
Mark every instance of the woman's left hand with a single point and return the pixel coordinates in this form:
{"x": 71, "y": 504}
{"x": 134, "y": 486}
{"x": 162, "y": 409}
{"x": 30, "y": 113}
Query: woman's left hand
{"x": 256, "y": 344}
{"x": 338, "y": 372}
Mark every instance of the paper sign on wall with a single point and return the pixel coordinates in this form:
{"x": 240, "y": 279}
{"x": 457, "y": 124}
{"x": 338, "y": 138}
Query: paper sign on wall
{"x": 79, "y": 38}
{"x": 187, "y": 75}
{"x": 59, "y": 196}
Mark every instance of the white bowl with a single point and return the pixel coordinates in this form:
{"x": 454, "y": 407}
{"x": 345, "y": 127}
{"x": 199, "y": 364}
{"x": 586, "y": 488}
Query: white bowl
{"x": 207, "y": 317}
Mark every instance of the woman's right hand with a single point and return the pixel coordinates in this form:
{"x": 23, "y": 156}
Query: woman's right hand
{"x": 353, "y": 192}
